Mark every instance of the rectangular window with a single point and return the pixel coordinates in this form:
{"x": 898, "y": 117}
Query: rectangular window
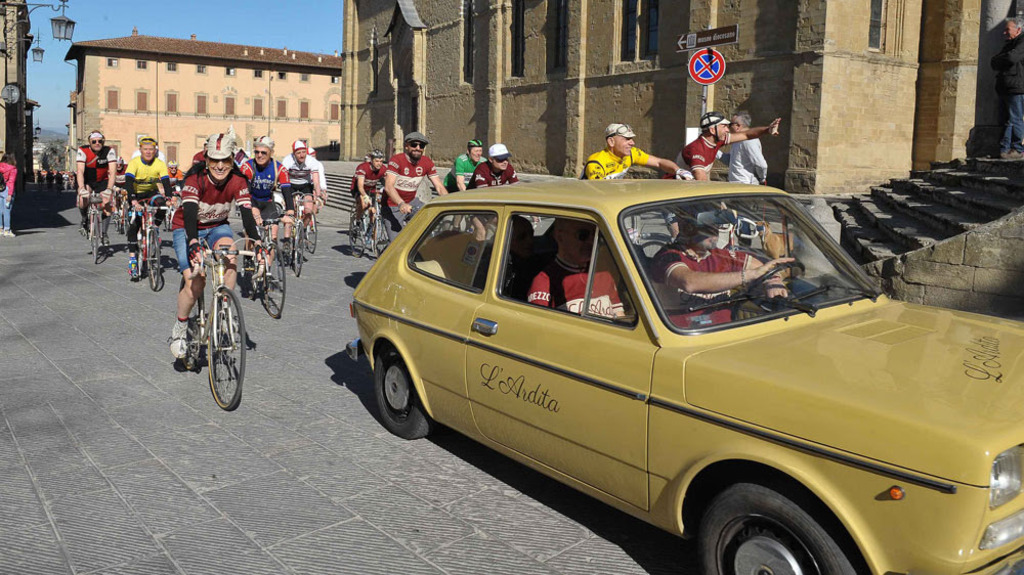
{"x": 112, "y": 103}
{"x": 172, "y": 66}
{"x": 376, "y": 67}
{"x": 335, "y": 111}
{"x": 628, "y": 53}
{"x": 282, "y": 75}
{"x": 171, "y": 150}
{"x": 229, "y": 105}
{"x": 200, "y": 69}
{"x": 200, "y": 103}
{"x": 112, "y": 62}
{"x": 876, "y": 27}
{"x": 303, "y": 77}
{"x": 282, "y": 108}
{"x": 172, "y": 102}
{"x": 257, "y": 73}
{"x": 229, "y": 71}
{"x": 450, "y": 252}
{"x": 335, "y": 79}
{"x": 560, "y": 47}
{"x": 468, "y": 41}
{"x": 518, "y": 38}
{"x": 141, "y": 102}
{"x": 304, "y": 110}
{"x": 141, "y": 64}
{"x": 257, "y": 107}
{"x": 650, "y": 31}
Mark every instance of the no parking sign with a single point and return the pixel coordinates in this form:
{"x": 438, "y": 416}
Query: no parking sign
{"x": 707, "y": 66}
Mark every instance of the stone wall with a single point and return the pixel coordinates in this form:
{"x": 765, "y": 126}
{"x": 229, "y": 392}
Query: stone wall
{"x": 980, "y": 271}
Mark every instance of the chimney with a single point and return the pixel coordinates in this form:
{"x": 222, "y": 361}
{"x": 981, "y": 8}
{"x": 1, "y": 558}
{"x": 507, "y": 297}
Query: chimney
{"x": 135, "y": 31}
{"x": 286, "y": 50}
{"x": 293, "y": 55}
{"x": 193, "y": 36}
{"x": 245, "y": 51}
{"x": 319, "y": 59}
{"x": 261, "y": 51}
{"x": 335, "y": 53}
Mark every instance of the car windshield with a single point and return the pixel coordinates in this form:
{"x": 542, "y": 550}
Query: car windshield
{"x": 712, "y": 263}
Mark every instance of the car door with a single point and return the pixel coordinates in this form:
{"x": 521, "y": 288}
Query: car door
{"x": 565, "y": 387}
{"x": 435, "y": 298}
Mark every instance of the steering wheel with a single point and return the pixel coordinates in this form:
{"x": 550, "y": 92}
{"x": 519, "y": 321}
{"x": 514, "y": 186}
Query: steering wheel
{"x": 778, "y": 269}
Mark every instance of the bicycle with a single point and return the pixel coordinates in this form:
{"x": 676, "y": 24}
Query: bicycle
{"x": 268, "y": 287}
{"x": 95, "y": 220}
{"x": 311, "y": 234}
{"x": 149, "y": 247}
{"x": 221, "y": 330}
{"x": 367, "y": 232}
{"x": 296, "y": 240}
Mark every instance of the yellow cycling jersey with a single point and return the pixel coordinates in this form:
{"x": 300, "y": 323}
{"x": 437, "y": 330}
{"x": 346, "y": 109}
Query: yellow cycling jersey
{"x": 605, "y": 165}
{"x": 147, "y": 176}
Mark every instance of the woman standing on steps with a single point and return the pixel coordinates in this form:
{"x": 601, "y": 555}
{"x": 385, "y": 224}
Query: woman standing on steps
{"x": 10, "y": 176}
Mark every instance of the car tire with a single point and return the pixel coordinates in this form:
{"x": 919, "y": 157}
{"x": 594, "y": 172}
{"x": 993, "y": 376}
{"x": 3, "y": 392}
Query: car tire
{"x": 753, "y": 529}
{"x": 400, "y": 408}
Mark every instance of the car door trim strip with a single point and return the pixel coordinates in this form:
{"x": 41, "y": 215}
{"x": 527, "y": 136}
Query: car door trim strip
{"x": 808, "y": 448}
{"x": 468, "y": 341}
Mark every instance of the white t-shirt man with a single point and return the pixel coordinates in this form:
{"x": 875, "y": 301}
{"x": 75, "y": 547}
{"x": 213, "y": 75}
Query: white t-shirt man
{"x": 746, "y": 162}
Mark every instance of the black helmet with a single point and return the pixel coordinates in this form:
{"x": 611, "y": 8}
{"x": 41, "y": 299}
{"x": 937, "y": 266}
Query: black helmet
{"x": 707, "y": 121}
{"x": 376, "y": 154}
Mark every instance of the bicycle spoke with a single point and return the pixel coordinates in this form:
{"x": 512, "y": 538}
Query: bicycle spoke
{"x": 226, "y": 349}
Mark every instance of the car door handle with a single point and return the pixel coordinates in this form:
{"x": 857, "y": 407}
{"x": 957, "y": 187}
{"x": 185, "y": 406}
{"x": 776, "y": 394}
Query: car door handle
{"x": 485, "y": 326}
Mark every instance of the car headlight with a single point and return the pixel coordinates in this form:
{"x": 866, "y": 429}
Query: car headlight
{"x": 1005, "y": 481}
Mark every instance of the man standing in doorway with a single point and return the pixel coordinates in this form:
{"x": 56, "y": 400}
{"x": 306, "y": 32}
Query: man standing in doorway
{"x": 1009, "y": 67}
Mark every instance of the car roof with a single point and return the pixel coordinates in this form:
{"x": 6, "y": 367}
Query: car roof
{"x": 602, "y": 196}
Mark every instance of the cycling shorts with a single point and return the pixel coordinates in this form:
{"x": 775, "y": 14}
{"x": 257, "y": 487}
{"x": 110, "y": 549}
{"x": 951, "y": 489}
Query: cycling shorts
{"x": 268, "y": 209}
{"x": 211, "y": 235}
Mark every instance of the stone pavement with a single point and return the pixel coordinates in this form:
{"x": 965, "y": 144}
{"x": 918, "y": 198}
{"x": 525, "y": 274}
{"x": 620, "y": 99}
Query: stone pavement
{"x": 112, "y": 462}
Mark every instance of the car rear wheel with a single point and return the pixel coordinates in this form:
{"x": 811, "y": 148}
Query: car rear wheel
{"x": 400, "y": 409}
{"x": 753, "y": 530}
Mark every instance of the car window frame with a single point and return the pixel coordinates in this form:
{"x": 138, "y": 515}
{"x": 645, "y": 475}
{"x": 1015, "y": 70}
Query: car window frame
{"x": 423, "y": 237}
{"x": 845, "y": 262}
{"x": 581, "y": 215}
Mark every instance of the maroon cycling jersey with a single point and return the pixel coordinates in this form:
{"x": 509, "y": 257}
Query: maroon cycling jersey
{"x": 215, "y": 202}
{"x": 714, "y": 261}
{"x": 562, "y": 286}
{"x": 96, "y": 163}
{"x": 370, "y": 177}
{"x": 484, "y": 176}
{"x": 700, "y": 154}
{"x": 409, "y": 175}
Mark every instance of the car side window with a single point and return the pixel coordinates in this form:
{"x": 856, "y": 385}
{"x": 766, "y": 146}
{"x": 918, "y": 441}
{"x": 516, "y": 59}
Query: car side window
{"x": 563, "y": 264}
{"x": 456, "y": 249}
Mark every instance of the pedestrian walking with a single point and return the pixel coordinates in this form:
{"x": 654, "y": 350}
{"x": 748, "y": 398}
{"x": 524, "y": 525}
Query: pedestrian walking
{"x": 746, "y": 161}
{"x": 1009, "y": 67}
{"x": 9, "y": 176}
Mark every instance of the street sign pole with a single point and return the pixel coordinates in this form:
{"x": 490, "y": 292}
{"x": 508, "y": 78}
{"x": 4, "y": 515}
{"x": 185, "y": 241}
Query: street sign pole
{"x": 705, "y": 40}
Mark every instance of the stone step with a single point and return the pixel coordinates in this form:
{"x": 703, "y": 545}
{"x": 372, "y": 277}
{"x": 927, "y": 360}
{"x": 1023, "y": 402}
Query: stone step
{"x": 1007, "y": 187}
{"x": 909, "y": 233}
{"x": 986, "y": 205}
{"x": 996, "y": 166}
{"x": 860, "y": 238}
{"x": 950, "y": 221}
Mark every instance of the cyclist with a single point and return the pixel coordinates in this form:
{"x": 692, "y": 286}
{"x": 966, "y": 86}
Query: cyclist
{"x": 372, "y": 173}
{"x": 701, "y": 153}
{"x": 215, "y": 187}
{"x": 267, "y": 176}
{"x": 323, "y": 180}
{"x": 143, "y": 177}
{"x": 177, "y": 179}
{"x": 93, "y": 167}
{"x": 461, "y": 175}
{"x": 402, "y": 179}
{"x": 497, "y": 171}
{"x": 304, "y": 176}
{"x": 621, "y": 154}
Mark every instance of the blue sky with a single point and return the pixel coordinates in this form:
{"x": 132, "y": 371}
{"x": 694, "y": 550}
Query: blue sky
{"x": 304, "y": 26}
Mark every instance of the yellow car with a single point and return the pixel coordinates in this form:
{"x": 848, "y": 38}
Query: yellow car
{"x": 706, "y": 358}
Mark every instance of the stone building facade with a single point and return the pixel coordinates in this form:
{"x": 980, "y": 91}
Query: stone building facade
{"x": 181, "y": 91}
{"x": 867, "y": 89}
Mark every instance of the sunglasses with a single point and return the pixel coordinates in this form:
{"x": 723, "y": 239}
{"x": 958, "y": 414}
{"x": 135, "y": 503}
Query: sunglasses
{"x": 260, "y": 153}
{"x": 416, "y": 145}
{"x": 95, "y": 141}
{"x": 623, "y": 130}
{"x": 221, "y": 161}
{"x": 584, "y": 235}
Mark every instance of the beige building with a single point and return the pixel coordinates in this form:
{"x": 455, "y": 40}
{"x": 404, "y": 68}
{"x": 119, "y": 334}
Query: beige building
{"x": 860, "y": 100}
{"x": 181, "y": 91}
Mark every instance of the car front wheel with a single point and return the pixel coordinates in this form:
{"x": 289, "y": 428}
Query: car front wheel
{"x": 752, "y": 530}
{"x": 400, "y": 409}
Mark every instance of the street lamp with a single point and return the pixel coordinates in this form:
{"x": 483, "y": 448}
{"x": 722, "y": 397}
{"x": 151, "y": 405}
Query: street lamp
{"x": 37, "y": 52}
{"x": 63, "y": 27}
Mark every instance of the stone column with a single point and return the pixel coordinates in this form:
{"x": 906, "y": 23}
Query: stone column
{"x": 988, "y": 127}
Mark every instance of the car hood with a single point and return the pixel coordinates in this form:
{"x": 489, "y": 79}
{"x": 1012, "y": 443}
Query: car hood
{"x": 930, "y": 390}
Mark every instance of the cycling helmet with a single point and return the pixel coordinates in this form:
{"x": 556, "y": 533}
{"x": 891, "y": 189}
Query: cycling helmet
{"x": 377, "y": 154}
{"x": 172, "y": 164}
{"x": 121, "y": 163}
{"x": 474, "y": 144}
{"x": 711, "y": 119}
{"x": 220, "y": 146}
{"x": 299, "y": 145}
{"x": 265, "y": 141}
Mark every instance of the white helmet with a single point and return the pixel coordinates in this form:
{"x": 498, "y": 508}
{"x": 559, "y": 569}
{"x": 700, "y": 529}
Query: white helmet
{"x": 264, "y": 141}
{"x": 220, "y": 146}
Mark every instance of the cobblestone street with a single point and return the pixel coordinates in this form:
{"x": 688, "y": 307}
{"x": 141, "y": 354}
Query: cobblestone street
{"x": 114, "y": 462}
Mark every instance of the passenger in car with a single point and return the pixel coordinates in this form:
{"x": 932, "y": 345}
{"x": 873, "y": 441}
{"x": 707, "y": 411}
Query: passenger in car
{"x": 522, "y": 264}
{"x": 563, "y": 283}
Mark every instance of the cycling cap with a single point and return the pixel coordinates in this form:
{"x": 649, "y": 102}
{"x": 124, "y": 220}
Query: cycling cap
{"x": 377, "y": 154}
{"x": 298, "y": 145}
{"x": 96, "y": 134}
{"x": 265, "y": 141}
{"x": 498, "y": 152}
{"x": 624, "y": 130}
{"x": 121, "y": 162}
{"x": 474, "y": 144}
{"x": 416, "y": 137}
{"x": 147, "y": 140}
{"x": 220, "y": 146}
{"x": 707, "y": 121}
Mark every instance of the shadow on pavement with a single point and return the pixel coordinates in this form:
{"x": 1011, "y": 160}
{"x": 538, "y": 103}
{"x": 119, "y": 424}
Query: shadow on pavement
{"x": 37, "y": 209}
{"x": 356, "y": 377}
{"x": 352, "y": 280}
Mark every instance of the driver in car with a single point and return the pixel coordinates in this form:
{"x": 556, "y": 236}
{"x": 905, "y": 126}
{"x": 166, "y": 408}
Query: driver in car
{"x": 695, "y": 270}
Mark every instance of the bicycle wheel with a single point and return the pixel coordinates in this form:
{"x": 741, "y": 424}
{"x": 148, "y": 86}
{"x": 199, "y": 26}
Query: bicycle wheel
{"x": 273, "y": 282}
{"x": 225, "y": 349}
{"x": 298, "y": 249}
{"x": 156, "y": 272}
{"x": 381, "y": 238}
{"x": 356, "y": 236}
{"x": 94, "y": 234}
{"x": 311, "y": 234}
